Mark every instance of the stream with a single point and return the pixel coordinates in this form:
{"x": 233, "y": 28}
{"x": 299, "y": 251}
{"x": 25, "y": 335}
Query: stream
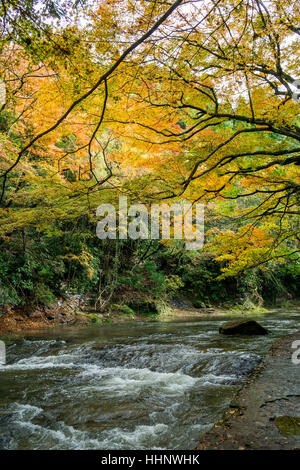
{"x": 133, "y": 385}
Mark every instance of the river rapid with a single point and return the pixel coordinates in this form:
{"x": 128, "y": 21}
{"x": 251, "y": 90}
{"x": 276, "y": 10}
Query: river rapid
{"x": 134, "y": 385}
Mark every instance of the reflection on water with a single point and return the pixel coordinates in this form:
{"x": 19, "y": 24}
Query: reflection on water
{"x": 127, "y": 386}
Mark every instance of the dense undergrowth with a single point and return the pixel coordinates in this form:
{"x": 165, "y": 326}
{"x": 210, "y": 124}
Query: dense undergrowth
{"x": 161, "y": 103}
{"x": 37, "y": 269}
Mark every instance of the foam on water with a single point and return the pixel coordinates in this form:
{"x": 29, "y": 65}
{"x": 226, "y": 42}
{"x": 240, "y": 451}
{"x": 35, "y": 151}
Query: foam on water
{"x": 47, "y": 362}
{"x": 64, "y": 437}
{"x": 67, "y": 437}
{"x": 118, "y": 380}
{"x": 147, "y": 386}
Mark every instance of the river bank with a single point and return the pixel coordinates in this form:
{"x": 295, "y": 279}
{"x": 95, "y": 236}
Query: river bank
{"x": 19, "y": 321}
{"x": 70, "y": 313}
{"x": 265, "y": 414}
{"x": 40, "y": 319}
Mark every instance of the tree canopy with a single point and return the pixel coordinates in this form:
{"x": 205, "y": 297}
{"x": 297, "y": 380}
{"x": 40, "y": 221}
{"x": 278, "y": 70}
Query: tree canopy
{"x": 158, "y": 100}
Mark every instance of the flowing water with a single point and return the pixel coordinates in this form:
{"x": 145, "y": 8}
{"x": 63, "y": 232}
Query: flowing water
{"x": 128, "y": 386}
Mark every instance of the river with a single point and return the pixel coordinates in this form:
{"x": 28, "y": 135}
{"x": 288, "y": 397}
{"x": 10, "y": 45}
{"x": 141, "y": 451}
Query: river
{"x": 134, "y": 385}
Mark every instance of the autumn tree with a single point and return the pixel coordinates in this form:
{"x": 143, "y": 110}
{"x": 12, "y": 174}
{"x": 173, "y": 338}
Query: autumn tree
{"x": 193, "y": 99}
{"x": 217, "y": 106}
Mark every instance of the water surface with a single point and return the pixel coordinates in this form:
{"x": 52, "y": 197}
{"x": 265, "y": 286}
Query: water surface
{"x": 128, "y": 386}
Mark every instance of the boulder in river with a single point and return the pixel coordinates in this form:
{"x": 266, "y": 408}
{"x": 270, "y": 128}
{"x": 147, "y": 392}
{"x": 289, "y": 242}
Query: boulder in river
{"x": 244, "y": 327}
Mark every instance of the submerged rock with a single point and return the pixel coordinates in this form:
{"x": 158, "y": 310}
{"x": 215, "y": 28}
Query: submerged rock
{"x": 288, "y": 425}
{"x": 245, "y": 327}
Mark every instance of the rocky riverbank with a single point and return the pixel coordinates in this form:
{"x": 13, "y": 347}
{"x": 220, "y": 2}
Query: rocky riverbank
{"x": 15, "y": 321}
{"x": 78, "y": 310}
{"x": 19, "y": 320}
{"x": 266, "y": 412}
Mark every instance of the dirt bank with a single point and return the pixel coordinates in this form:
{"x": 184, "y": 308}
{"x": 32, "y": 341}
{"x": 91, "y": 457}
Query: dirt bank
{"x": 266, "y": 412}
{"x": 75, "y": 312}
{"x": 14, "y": 321}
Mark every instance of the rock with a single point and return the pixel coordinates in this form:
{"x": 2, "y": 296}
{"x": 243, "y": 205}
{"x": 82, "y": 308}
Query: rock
{"x": 246, "y": 327}
{"x": 178, "y": 302}
{"x": 269, "y": 401}
{"x": 288, "y": 425}
{"x": 50, "y": 316}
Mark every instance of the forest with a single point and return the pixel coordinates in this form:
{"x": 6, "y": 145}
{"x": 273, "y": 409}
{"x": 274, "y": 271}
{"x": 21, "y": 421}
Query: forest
{"x": 149, "y": 232}
{"x": 158, "y": 101}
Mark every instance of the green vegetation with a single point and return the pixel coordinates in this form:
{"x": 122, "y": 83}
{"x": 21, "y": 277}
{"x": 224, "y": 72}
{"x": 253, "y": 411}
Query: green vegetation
{"x": 107, "y": 98}
{"x": 288, "y": 425}
{"x": 132, "y": 277}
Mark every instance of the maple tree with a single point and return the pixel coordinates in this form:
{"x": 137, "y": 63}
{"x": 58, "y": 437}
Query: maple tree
{"x": 160, "y": 101}
{"x": 218, "y": 106}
